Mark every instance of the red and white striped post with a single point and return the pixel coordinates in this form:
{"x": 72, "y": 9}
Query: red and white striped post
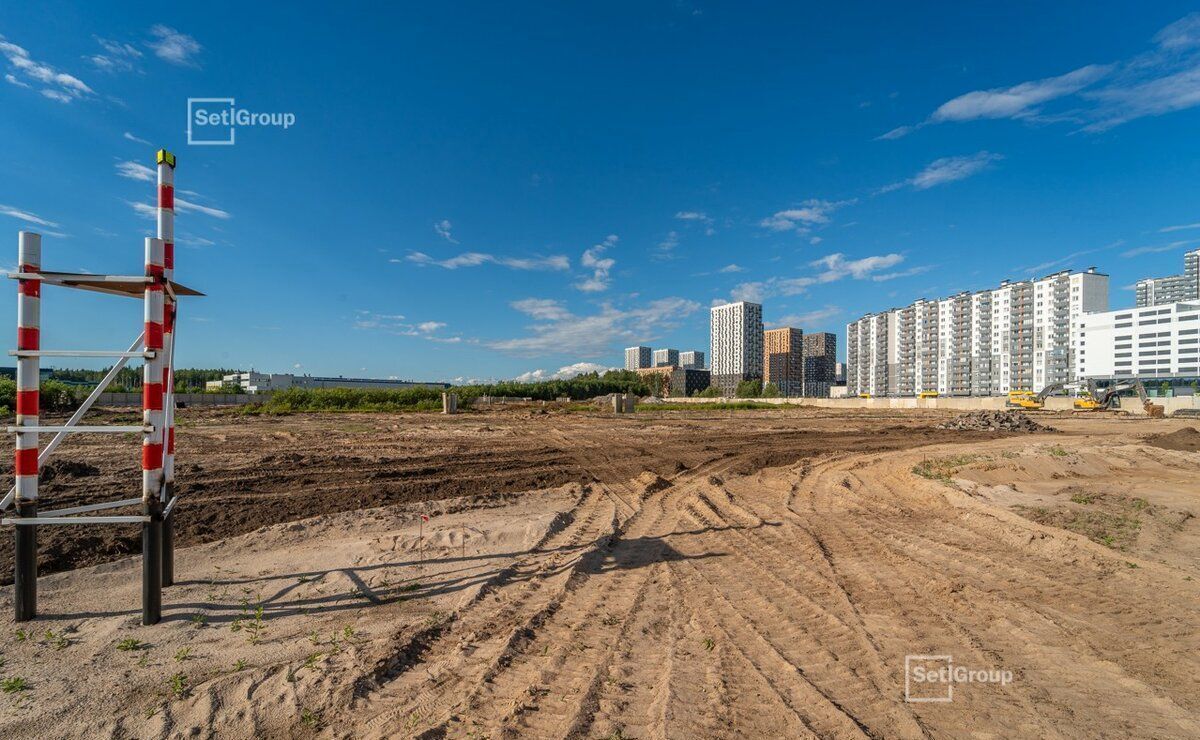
{"x": 166, "y": 232}
{"x": 152, "y": 438}
{"x": 29, "y": 320}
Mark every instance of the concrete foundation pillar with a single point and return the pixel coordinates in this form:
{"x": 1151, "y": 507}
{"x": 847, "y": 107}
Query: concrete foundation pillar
{"x": 449, "y": 403}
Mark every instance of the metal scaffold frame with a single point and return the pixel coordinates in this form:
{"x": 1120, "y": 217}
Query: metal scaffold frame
{"x": 160, "y": 293}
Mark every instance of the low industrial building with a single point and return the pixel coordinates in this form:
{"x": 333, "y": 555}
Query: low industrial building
{"x": 1150, "y": 343}
{"x": 680, "y": 381}
{"x": 255, "y": 382}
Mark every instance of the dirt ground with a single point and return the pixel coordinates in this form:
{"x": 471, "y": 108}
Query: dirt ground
{"x": 675, "y": 575}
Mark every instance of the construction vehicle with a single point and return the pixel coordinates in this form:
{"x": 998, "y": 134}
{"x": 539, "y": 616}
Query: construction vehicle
{"x": 1110, "y": 397}
{"x": 1085, "y": 398}
{"x": 864, "y": 395}
{"x": 1023, "y": 400}
{"x": 927, "y": 394}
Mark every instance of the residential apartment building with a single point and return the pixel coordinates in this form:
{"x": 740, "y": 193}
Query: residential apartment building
{"x": 783, "y": 360}
{"x": 736, "y": 344}
{"x": 666, "y": 358}
{"x": 679, "y": 381}
{"x": 1172, "y": 289}
{"x": 820, "y": 364}
{"x": 1148, "y": 342}
{"x": 637, "y": 358}
{"x": 1012, "y": 337}
{"x": 871, "y": 354}
{"x": 692, "y": 359}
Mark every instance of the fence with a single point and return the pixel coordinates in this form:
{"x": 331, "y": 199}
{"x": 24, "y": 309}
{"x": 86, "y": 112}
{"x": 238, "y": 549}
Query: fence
{"x": 185, "y": 399}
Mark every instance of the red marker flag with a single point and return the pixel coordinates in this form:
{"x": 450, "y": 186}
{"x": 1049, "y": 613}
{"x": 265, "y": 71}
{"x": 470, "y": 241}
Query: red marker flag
{"x": 424, "y": 517}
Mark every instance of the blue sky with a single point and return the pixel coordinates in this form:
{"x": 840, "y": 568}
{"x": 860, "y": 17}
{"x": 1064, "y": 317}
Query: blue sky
{"x": 493, "y": 190}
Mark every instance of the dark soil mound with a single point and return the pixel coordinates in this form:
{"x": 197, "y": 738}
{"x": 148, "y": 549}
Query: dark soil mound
{"x": 1184, "y": 440}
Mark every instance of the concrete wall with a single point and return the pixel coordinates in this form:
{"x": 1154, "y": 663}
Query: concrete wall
{"x": 963, "y": 403}
{"x": 191, "y": 399}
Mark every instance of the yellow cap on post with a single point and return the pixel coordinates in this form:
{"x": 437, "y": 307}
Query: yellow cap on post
{"x": 165, "y": 156}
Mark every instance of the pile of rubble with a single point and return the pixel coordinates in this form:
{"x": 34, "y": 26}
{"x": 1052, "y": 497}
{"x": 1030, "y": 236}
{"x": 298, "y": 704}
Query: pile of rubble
{"x": 994, "y": 421}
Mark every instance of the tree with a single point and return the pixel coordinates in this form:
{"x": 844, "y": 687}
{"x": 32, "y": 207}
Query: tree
{"x": 710, "y": 392}
{"x": 749, "y": 389}
{"x": 770, "y": 390}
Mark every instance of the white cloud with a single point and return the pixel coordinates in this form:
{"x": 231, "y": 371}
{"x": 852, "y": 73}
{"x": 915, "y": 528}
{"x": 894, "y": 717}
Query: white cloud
{"x": 475, "y": 259}
{"x": 147, "y": 210}
{"x": 1158, "y": 248}
{"x": 60, "y": 86}
{"x": 1018, "y": 101}
{"x": 544, "y": 309}
{"x": 174, "y": 47}
{"x": 397, "y": 324}
{"x": 666, "y": 248}
{"x": 136, "y": 171}
{"x": 563, "y": 373}
{"x": 1180, "y": 227}
{"x": 117, "y": 56}
{"x": 26, "y": 216}
{"x": 832, "y": 267}
{"x": 732, "y": 268}
{"x": 809, "y": 318}
{"x": 1162, "y": 80}
{"x": 600, "y": 333}
{"x": 946, "y": 169}
{"x": 698, "y": 217}
{"x": 812, "y": 212}
{"x": 600, "y": 266}
{"x": 136, "y": 139}
{"x": 442, "y": 228}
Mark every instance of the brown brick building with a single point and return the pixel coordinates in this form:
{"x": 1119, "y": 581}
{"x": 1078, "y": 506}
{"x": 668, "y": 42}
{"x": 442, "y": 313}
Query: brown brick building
{"x": 783, "y": 360}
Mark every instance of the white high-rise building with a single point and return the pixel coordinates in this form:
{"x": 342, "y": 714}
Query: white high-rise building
{"x": 692, "y": 359}
{"x": 666, "y": 358}
{"x": 870, "y": 352}
{"x": 637, "y": 358}
{"x": 1172, "y": 289}
{"x": 736, "y": 344}
{"x": 1017, "y": 336}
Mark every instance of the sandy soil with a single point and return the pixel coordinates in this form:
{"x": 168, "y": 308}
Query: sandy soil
{"x": 753, "y": 575}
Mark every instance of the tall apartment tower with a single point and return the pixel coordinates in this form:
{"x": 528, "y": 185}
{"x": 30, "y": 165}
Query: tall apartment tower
{"x": 637, "y": 358}
{"x": 666, "y": 358}
{"x": 820, "y": 364}
{"x": 954, "y": 345}
{"x": 1172, "y": 289}
{"x": 736, "y": 349}
{"x": 692, "y": 360}
{"x": 870, "y": 353}
{"x": 783, "y": 360}
{"x": 1067, "y": 297}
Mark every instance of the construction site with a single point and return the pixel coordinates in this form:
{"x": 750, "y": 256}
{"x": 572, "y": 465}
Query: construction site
{"x": 347, "y": 456}
{"x": 540, "y": 571}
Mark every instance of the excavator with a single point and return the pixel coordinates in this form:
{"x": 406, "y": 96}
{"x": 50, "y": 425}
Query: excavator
{"x": 1089, "y": 396}
{"x": 1110, "y": 398}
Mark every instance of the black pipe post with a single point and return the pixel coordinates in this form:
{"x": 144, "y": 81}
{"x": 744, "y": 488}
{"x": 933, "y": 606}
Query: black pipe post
{"x": 152, "y": 552}
{"x": 25, "y": 561}
{"x": 168, "y": 538}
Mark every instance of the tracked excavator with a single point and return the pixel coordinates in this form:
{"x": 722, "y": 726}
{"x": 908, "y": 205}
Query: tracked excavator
{"x": 1110, "y": 398}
